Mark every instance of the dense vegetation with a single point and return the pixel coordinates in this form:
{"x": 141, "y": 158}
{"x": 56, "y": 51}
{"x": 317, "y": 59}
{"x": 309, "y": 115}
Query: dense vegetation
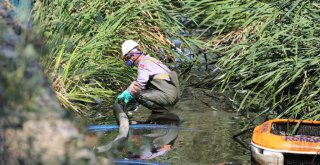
{"x": 268, "y": 53}
{"x": 85, "y": 39}
{"x": 265, "y": 52}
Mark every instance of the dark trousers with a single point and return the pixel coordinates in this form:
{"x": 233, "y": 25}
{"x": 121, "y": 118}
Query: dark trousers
{"x": 159, "y": 95}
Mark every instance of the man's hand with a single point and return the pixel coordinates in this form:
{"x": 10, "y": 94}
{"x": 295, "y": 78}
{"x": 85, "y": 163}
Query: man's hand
{"x": 126, "y": 96}
{"x": 134, "y": 87}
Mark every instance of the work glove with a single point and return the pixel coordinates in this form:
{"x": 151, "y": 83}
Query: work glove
{"x": 126, "y": 96}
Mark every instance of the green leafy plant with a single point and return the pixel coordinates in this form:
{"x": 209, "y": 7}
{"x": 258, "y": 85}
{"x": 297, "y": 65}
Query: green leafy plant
{"x": 84, "y": 39}
{"x": 268, "y": 54}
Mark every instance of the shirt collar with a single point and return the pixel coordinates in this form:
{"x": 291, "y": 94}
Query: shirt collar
{"x": 143, "y": 58}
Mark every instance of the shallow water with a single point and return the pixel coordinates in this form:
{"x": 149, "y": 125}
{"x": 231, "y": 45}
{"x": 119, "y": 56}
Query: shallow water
{"x": 210, "y": 142}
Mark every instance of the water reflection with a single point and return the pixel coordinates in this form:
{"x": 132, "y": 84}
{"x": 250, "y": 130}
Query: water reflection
{"x": 154, "y": 137}
{"x": 213, "y": 143}
{"x": 203, "y": 135}
{"x": 148, "y": 144}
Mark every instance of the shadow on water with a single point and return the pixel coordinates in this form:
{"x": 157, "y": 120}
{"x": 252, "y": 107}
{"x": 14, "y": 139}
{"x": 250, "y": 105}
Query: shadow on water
{"x": 209, "y": 141}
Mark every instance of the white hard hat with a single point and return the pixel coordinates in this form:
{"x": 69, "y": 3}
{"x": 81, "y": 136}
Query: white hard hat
{"x": 127, "y": 46}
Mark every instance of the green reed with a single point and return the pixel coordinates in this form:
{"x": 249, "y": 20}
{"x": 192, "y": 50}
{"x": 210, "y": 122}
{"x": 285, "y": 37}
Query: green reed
{"x": 85, "y": 37}
{"x": 266, "y": 52}
{"x": 269, "y": 53}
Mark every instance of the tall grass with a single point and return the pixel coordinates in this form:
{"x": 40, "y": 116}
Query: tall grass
{"x": 84, "y": 39}
{"x": 269, "y": 53}
{"x": 266, "y": 51}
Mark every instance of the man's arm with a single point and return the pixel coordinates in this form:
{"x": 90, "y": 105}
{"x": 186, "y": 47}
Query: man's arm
{"x": 142, "y": 79}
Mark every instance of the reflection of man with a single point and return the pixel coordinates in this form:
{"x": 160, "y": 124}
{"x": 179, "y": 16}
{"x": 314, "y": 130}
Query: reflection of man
{"x": 162, "y": 143}
{"x": 159, "y": 141}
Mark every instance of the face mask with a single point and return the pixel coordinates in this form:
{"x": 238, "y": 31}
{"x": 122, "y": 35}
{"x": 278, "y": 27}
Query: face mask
{"x": 129, "y": 62}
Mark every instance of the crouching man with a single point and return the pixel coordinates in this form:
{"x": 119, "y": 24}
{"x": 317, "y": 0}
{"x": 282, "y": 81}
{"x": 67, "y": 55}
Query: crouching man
{"x": 156, "y": 86}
